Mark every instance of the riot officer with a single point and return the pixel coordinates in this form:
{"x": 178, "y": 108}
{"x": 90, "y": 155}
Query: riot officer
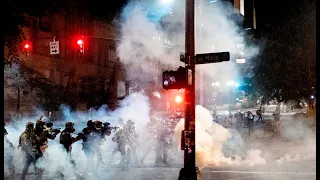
{"x": 89, "y": 144}
{"x": 8, "y": 150}
{"x": 66, "y": 138}
{"x": 116, "y": 149}
{"x": 27, "y": 143}
{"x": 120, "y": 139}
{"x": 101, "y": 132}
{"x": 43, "y": 134}
{"x": 132, "y": 140}
{"x": 163, "y": 143}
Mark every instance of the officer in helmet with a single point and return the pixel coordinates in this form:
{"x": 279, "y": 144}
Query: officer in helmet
{"x": 66, "y": 138}
{"x": 27, "y": 143}
{"x": 132, "y": 140}
{"x": 88, "y": 147}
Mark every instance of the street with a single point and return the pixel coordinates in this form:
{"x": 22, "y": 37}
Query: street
{"x": 301, "y": 163}
{"x": 292, "y": 171}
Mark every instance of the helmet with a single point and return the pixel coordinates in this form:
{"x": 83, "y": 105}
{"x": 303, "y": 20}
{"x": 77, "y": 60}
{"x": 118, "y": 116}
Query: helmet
{"x": 29, "y": 125}
{"x": 40, "y": 123}
{"x": 98, "y": 124}
{"x": 90, "y": 123}
{"x": 69, "y": 124}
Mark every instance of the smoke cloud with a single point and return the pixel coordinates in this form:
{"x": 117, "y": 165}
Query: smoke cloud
{"x": 210, "y": 140}
{"x": 148, "y": 28}
{"x": 55, "y": 160}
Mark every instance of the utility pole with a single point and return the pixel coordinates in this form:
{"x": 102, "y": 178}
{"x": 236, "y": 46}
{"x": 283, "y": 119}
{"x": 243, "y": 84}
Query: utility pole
{"x": 189, "y": 171}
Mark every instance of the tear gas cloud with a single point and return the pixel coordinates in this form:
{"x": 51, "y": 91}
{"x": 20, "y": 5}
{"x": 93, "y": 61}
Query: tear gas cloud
{"x": 134, "y": 107}
{"x": 141, "y": 47}
{"x": 210, "y": 140}
{"x": 302, "y": 137}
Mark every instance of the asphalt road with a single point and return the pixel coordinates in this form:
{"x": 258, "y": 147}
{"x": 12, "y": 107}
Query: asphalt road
{"x": 292, "y": 171}
{"x": 304, "y": 169}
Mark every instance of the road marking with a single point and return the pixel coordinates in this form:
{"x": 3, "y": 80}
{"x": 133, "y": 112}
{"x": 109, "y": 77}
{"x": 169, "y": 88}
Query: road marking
{"x": 246, "y": 177}
{"x": 263, "y": 172}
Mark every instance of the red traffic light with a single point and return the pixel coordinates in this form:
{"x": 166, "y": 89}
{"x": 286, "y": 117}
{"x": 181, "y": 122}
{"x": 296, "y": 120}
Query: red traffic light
{"x": 178, "y": 99}
{"x": 80, "y": 42}
{"x": 26, "y": 46}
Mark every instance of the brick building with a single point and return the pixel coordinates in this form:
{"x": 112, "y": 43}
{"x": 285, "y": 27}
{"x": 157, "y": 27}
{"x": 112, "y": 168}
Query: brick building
{"x": 97, "y": 65}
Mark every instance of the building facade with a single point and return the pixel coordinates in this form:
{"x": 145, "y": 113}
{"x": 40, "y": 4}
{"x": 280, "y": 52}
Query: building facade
{"x": 96, "y": 69}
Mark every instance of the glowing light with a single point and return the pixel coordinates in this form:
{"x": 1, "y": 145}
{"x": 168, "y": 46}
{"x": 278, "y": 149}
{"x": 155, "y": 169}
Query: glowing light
{"x": 26, "y": 46}
{"x": 178, "y": 99}
{"x": 80, "y": 42}
{"x": 312, "y": 97}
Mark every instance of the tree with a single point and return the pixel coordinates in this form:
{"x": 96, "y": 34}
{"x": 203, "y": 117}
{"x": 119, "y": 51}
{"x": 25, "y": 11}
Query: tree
{"x": 286, "y": 70}
{"x": 17, "y": 13}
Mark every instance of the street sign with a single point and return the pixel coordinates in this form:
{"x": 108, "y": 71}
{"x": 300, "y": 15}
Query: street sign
{"x": 182, "y": 57}
{"x": 212, "y": 57}
{"x": 54, "y": 47}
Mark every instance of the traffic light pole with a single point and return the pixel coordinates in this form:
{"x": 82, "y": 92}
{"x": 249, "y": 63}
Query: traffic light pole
{"x": 189, "y": 171}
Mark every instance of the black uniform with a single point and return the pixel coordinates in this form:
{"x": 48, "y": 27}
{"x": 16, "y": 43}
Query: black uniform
{"x": 66, "y": 138}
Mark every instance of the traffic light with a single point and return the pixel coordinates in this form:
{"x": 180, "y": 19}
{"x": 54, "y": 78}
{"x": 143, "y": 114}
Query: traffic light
{"x": 175, "y": 79}
{"x": 26, "y": 46}
{"x": 80, "y": 43}
{"x": 178, "y": 99}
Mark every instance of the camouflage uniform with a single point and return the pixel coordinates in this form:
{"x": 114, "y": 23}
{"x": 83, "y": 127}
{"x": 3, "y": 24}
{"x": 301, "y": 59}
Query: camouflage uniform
{"x": 27, "y": 143}
{"x": 8, "y": 158}
{"x": 42, "y": 135}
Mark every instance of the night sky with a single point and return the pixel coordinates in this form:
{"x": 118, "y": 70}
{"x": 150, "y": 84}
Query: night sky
{"x": 106, "y": 9}
{"x": 269, "y": 13}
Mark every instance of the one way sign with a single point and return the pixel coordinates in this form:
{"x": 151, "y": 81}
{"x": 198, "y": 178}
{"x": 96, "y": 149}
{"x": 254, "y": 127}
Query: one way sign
{"x": 54, "y": 47}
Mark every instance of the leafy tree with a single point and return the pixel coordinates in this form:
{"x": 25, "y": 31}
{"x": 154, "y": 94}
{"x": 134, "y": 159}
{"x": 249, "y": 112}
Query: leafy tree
{"x": 286, "y": 70}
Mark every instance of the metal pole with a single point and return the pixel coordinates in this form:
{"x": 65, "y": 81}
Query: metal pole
{"x": 190, "y": 171}
{"x": 201, "y": 93}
